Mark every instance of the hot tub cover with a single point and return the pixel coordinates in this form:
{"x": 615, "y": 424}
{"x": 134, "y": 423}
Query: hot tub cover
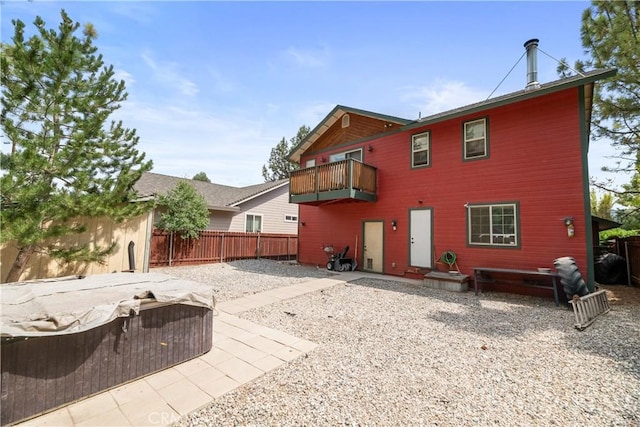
{"x": 73, "y": 304}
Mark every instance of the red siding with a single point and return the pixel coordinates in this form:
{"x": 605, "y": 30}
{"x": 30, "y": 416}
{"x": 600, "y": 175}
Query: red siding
{"x": 535, "y": 160}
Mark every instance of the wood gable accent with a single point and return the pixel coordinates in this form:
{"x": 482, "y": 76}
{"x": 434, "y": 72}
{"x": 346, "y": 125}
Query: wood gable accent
{"x": 330, "y": 131}
{"x": 359, "y": 127}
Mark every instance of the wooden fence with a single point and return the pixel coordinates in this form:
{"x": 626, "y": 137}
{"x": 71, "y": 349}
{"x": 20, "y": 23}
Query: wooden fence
{"x": 103, "y": 231}
{"x": 220, "y": 246}
{"x": 629, "y": 248}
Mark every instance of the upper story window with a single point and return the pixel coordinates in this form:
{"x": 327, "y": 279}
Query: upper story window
{"x": 475, "y": 139}
{"x": 420, "y": 152}
{"x": 310, "y": 163}
{"x": 493, "y": 225}
{"x": 353, "y": 154}
{"x": 253, "y": 223}
{"x": 345, "y": 121}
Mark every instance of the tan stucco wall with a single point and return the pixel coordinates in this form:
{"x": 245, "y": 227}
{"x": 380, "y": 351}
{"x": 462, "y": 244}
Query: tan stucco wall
{"x": 101, "y": 232}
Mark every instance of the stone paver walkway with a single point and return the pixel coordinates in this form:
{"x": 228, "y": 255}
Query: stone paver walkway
{"x": 242, "y": 351}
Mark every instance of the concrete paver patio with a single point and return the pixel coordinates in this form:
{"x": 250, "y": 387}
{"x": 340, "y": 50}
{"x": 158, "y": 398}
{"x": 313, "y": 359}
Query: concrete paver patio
{"x": 242, "y": 351}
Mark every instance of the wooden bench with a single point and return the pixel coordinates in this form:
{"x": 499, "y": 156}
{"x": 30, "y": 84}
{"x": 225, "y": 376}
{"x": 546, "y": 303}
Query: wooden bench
{"x": 484, "y": 275}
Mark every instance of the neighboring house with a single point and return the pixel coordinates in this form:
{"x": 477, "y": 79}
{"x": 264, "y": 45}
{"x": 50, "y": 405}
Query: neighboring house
{"x": 262, "y": 207}
{"x": 502, "y": 183}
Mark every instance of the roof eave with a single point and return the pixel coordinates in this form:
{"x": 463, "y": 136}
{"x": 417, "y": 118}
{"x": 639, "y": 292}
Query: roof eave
{"x": 253, "y": 196}
{"x": 511, "y": 98}
{"x": 224, "y": 208}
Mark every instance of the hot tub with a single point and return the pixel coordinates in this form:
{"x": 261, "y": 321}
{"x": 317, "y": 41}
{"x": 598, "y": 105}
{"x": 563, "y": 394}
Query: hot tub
{"x": 69, "y": 338}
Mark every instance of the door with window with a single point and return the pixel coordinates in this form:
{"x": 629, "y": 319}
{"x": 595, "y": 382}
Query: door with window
{"x": 420, "y": 238}
{"x": 372, "y": 247}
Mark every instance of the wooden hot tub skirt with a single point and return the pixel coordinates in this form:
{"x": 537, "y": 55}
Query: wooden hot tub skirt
{"x": 43, "y": 373}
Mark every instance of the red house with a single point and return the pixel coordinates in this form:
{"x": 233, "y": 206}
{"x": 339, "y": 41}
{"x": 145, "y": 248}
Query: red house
{"x": 501, "y": 183}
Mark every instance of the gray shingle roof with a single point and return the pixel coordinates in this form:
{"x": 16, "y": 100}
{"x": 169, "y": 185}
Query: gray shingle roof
{"x": 216, "y": 195}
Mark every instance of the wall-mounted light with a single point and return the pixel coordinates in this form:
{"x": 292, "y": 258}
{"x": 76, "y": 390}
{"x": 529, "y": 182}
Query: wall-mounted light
{"x": 394, "y": 224}
{"x": 302, "y": 223}
{"x": 323, "y": 159}
{"x": 571, "y": 230}
{"x": 420, "y": 201}
{"x": 369, "y": 148}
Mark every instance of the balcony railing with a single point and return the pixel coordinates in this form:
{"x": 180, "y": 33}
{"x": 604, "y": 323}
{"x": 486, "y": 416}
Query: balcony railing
{"x": 345, "y": 179}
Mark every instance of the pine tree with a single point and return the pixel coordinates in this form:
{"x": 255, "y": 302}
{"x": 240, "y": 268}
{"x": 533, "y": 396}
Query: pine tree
{"x": 66, "y": 160}
{"x": 610, "y": 34}
{"x": 279, "y": 167}
{"x": 602, "y": 207}
{"x": 201, "y": 176}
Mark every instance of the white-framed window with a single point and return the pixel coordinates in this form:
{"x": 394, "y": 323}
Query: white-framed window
{"x": 253, "y": 223}
{"x": 290, "y": 218}
{"x": 420, "y": 149}
{"x": 345, "y": 121}
{"x": 352, "y": 154}
{"x": 493, "y": 224}
{"x": 310, "y": 163}
{"x": 475, "y": 139}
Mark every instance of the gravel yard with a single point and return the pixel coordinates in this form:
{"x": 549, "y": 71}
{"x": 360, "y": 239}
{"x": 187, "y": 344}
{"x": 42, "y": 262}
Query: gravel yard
{"x": 392, "y": 353}
{"x": 238, "y": 279}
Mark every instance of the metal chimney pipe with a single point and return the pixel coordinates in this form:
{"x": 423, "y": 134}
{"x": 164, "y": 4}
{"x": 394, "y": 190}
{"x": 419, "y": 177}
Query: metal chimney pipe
{"x": 532, "y": 64}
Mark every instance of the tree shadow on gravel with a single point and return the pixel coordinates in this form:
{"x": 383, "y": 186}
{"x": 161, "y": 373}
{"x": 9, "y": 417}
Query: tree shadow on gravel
{"x": 480, "y": 316}
{"x": 614, "y": 336}
{"x": 289, "y": 269}
{"x": 279, "y": 268}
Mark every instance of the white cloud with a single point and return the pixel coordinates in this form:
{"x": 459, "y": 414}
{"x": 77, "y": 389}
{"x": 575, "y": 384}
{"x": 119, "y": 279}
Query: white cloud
{"x": 139, "y": 12}
{"x": 123, "y": 75}
{"x": 230, "y": 149}
{"x": 308, "y": 58}
{"x": 168, "y": 73}
{"x": 312, "y": 114}
{"x": 441, "y": 95}
{"x": 219, "y": 83}
{"x": 272, "y": 108}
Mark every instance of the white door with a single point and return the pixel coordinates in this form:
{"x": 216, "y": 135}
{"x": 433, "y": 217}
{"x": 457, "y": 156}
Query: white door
{"x": 420, "y": 239}
{"x": 372, "y": 247}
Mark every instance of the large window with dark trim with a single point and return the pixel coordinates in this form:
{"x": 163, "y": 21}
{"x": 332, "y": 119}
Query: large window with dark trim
{"x": 475, "y": 139}
{"x": 420, "y": 152}
{"x": 493, "y": 224}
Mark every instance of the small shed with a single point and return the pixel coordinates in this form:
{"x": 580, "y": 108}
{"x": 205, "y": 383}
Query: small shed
{"x": 600, "y": 224}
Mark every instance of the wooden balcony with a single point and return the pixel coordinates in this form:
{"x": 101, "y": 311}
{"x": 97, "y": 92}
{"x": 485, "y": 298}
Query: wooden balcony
{"x": 345, "y": 180}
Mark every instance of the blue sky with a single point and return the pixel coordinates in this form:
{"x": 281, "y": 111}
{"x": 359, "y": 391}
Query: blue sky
{"x": 214, "y": 86}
